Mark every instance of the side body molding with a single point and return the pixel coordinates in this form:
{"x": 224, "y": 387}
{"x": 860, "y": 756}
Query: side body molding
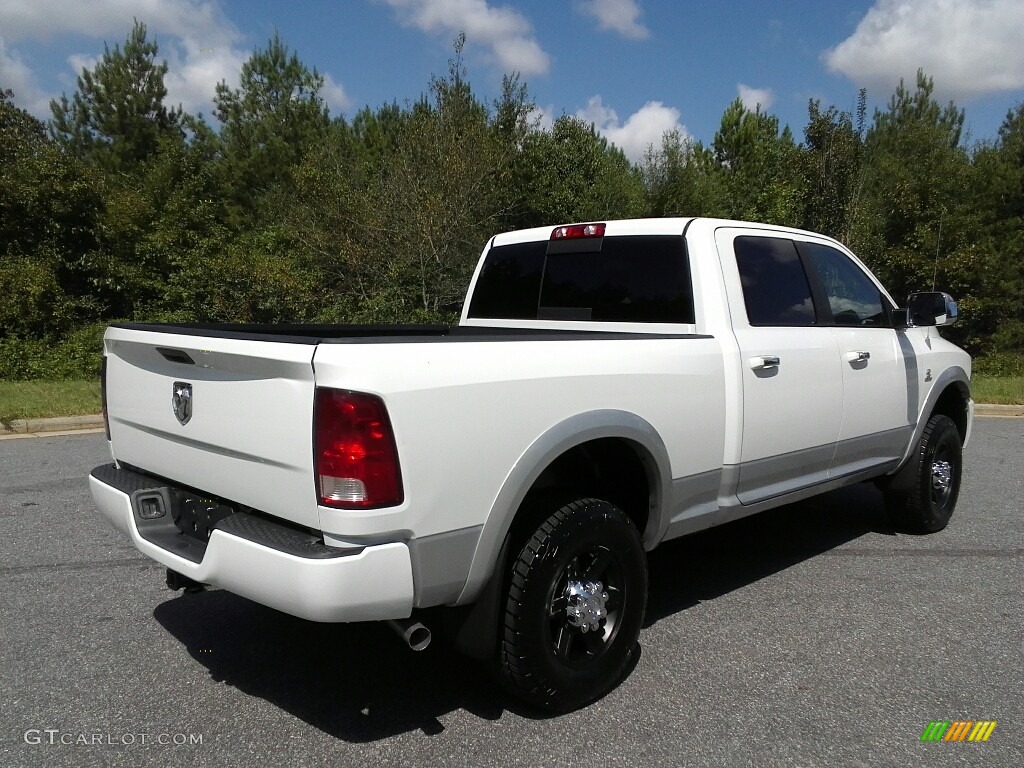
{"x": 576, "y": 430}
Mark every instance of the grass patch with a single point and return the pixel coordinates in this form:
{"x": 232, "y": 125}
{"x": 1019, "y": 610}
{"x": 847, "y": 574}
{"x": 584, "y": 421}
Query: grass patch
{"x": 1001, "y": 390}
{"x": 43, "y": 399}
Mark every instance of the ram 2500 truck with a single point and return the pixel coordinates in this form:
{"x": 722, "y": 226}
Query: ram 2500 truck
{"x": 609, "y": 386}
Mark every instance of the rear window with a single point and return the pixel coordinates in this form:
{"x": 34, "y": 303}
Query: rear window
{"x": 632, "y": 279}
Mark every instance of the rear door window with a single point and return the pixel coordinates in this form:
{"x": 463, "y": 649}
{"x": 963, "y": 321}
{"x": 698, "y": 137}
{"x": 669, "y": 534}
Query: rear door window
{"x": 775, "y": 286}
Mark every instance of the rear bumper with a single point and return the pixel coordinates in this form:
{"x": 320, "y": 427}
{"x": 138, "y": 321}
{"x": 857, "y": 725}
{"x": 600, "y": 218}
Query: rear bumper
{"x": 366, "y": 584}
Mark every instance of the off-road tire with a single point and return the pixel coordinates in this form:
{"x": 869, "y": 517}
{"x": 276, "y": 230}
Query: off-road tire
{"x": 937, "y": 464}
{"x": 545, "y": 657}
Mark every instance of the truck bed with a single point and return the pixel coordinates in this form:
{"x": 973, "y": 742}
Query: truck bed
{"x": 252, "y": 392}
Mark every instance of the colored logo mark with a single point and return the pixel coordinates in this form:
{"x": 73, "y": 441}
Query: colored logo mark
{"x": 959, "y": 730}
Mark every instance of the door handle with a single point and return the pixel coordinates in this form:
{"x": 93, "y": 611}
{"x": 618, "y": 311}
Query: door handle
{"x": 764, "y": 362}
{"x": 857, "y": 357}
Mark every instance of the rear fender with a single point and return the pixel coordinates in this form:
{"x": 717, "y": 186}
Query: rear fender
{"x": 576, "y": 430}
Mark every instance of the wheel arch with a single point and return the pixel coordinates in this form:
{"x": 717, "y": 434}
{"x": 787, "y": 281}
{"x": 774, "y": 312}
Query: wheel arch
{"x": 950, "y": 396}
{"x": 562, "y": 453}
{"x": 955, "y": 403}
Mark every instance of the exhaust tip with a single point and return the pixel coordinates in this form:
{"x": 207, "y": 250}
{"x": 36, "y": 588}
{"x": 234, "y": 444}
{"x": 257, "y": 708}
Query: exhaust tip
{"x": 413, "y": 633}
{"x": 419, "y": 637}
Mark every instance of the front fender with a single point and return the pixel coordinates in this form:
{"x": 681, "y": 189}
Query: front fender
{"x": 955, "y": 376}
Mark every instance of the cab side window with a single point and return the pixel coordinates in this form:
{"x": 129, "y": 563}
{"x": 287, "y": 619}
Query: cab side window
{"x": 775, "y": 286}
{"x": 852, "y": 297}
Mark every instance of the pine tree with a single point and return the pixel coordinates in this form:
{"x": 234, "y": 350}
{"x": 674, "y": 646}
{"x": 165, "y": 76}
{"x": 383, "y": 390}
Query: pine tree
{"x": 116, "y": 117}
{"x": 268, "y": 123}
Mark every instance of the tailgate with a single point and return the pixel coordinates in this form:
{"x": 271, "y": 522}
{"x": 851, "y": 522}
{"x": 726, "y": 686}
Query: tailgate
{"x": 246, "y": 433}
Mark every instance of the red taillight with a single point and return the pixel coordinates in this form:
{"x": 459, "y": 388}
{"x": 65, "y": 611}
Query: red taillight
{"x": 575, "y": 231}
{"x": 103, "y": 395}
{"x": 355, "y": 454}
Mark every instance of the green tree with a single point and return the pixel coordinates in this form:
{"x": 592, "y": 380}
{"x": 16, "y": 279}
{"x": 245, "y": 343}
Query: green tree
{"x": 915, "y": 174}
{"x": 760, "y": 167}
{"x": 571, "y": 173}
{"x": 682, "y": 178}
{"x": 116, "y": 118}
{"x": 999, "y": 195}
{"x": 394, "y": 211}
{"x": 49, "y": 204}
{"x": 159, "y": 224}
{"x": 267, "y": 124}
{"x": 257, "y": 276}
{"x": 918, "y": 224}
{"x": 373, "y": 135}
{"x": 834, "y": 157}
{"x": 150, "y": 178}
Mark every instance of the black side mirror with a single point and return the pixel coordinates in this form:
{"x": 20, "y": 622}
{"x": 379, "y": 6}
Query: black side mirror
{"x": 931, "y": 308}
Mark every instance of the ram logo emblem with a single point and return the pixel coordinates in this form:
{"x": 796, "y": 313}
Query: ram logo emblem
{"x": 181, "y": 402}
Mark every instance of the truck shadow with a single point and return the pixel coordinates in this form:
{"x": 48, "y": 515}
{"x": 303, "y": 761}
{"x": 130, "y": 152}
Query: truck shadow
{"x": 714, "y": 562}
{"x": 359, "y": 683}
{"x": 356, "y": 682}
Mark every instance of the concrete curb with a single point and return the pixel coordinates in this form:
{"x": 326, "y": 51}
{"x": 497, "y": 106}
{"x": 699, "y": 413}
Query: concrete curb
{"x": 68, "y": 424}
{"x": 59, "y": 424}
{"x": 987, "y": 409}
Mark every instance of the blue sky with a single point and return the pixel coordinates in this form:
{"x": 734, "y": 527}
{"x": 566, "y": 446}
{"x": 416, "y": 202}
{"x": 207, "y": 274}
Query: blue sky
{"x": 633, "y": 67}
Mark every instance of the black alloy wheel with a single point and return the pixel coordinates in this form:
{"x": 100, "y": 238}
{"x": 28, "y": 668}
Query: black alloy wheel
{"x": 574, "y": 606}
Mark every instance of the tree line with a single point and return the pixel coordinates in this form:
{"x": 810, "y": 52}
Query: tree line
{"x": 124, "y": 208}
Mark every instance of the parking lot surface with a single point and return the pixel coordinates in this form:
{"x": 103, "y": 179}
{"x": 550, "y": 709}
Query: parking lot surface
{"x": 812, "y": 635}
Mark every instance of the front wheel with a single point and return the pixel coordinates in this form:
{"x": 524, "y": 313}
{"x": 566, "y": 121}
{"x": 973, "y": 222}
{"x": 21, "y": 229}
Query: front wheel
{"x": 574, "y": 606}
{"x": 937, "y": 463}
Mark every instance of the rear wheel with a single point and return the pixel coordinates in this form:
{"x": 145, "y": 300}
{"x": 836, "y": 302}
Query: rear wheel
{"x": 937, "y": 461}
{"x": 574, "y": 606}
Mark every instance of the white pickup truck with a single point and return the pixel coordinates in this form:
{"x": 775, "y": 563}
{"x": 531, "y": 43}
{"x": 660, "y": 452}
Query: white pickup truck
{"x": 609, "y": 386}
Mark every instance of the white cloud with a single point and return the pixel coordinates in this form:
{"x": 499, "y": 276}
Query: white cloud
{"x": 970, "y": 47}
{"x": 334, "y": 94}
{"x": 195, "y": 68}
{"x": 642, "y": 129}
{"x": 754, "y": 97}
{"x": 45, "y": 19}
{"x": 597, "y": 113}
{"x": 542, "y": 117}
{"x": 201, "y": 45}
{"x": 616, "y": 16}
{"x": 80, "y": 61}
{"x": 506, "y": 32}
{"x": 17, "y": 76}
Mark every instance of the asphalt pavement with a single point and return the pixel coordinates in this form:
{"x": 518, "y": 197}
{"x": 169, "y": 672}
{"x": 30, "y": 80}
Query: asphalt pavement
{"x": 812, "y": 635}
